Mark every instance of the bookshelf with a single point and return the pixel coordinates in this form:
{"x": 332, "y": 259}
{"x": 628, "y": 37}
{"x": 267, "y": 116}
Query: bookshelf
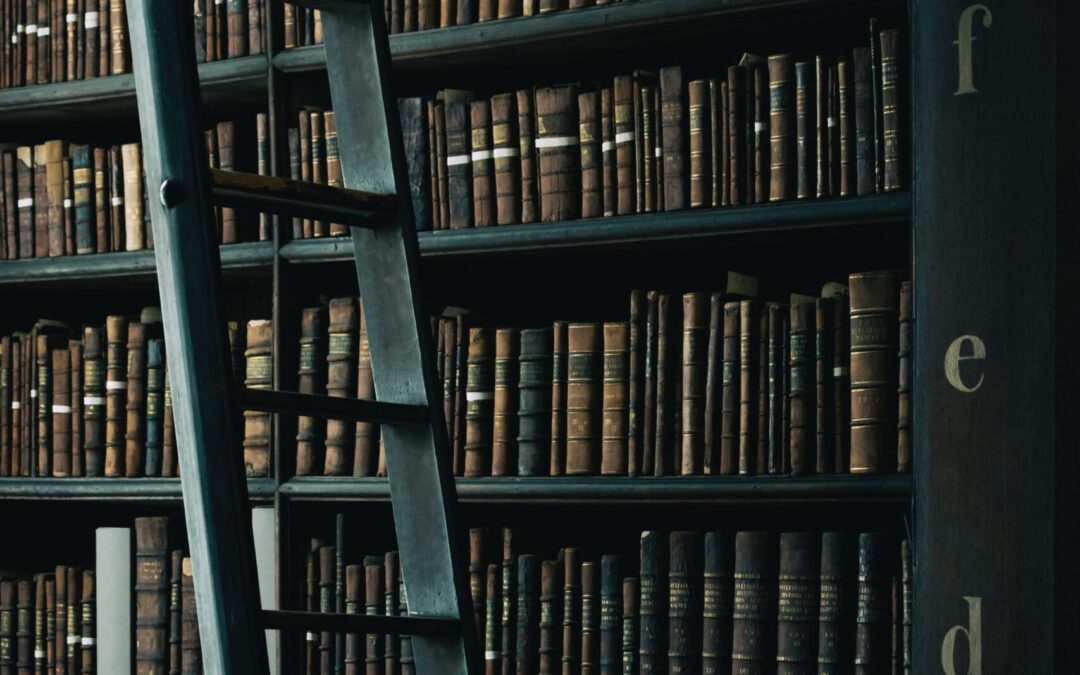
{"x": 986, "y": 498}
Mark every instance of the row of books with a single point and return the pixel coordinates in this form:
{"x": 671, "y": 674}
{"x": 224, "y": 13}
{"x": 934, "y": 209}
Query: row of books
{"x": 47, "y": 621}
{"x": 820, "y": 385}
{"x": 63, "y": 198}
{"x": 66, "y": 40}
{"x": 687, "y": 602}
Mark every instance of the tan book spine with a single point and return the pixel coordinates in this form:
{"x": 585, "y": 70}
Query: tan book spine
{"x": 61, "y": 412}
{"x": 134, "y": 234}
{"x": 151, "y": 595}
{"x": 875, "y": 298}
{"x": 610, "y": 179}
{"x": 558, "y": 399}
{"x": 311, "y": 431}
{"x": 589, "y": 135}
{"x": 782, "y": 138}
{"x": 135, "y": 447}
{"x": 54, "y": 190}
{"x": 530, "y": 202}
{"x": 695, "y": 353}
{"x": 507, "y": 158}
{"x": 479, "y": 402}
{"x": 700, "y": 144}
{"x": 583, "y": 398}
{"x": 116, "y": 328}
{"x": 614, "y": 458}
{"x": 558, "y": 154}
{"x": 625, "y": 164}
{"x": 258, "y": 374}
{"x": 340, "y": 381}
{"x": 120, "y": 60}
{"x": 483, "y": 164}
{"x": 504, "y": 449}
{"x": 369, "y": 460}
{"x": 320, "y": 228}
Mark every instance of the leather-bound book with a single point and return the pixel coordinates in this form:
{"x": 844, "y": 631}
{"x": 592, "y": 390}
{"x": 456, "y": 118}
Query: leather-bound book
{"x": 59, "y": 623}
{"x": 459, "y": 165}
{"x": 530, "y": 200}
{"x": 558, "y": 156}
{"x": 101, "y": 199}
{"x": 483, "y": 164}
{"x": 636, "y": 384}
{"x": 630, "y": 606}
{"x": 492, "y": 655}
{"x": 326, "y": 605}
{"x": 408, "y": 16}
{"x": 78, "y": 458}
{"x": 135, "y": 435}
{"x": 583, "y": 398}
{"x": 611, "y": 605}
{"x": 83, "y": 178}
{"x": 461, "y": 347}
{"x": 654, "y": 603}
{"x": 797, "y": 616}
{"x": 477, "y": 549}
{"x": 61, "y": 412}
{"x": 673, "y": 140}
{"x": 7, "y": 626}
{"x": 311, "y": 431}
{"x": 49, "y": 626}
{"x": 571, "y": 618}
{"x": 39, "y": 623}
{"x": 864, "y": 121}
{"x": 262, "y": 166}
{"x": 25, "y": 195}
{"x": 551, "y": 614}
{"x": 805, "y": 130}
{"x": 258, "y": 374}
{"x": 841, "y": 381}
{"x": 6, "y": 392}
{"x": 190, "y": 648}
{"x": 41, "y": 395}
{"x": 613, "y": 444}
{"x": 875, "y": 298}
{"x": 754, "y": 617}
{"x": 528, "y": 615}
{"x": 823, "y": 118}
{"x": 24, "y": 627}
{"x": 823, "y": 352}
{"x": 761, "y": 350}
{"x": 510, "y": 8}
{"x": 590, "y": 618}
{"x": 116, "y": 330}
{"x": 255, "y": 27}
{"x": 907, "y": 600}
{"x": 717, "y": 603}
{"x": 700, "y": 143}
{"x": 685, "y": 603}
{"x": 776, "y": 339}
{"x": 151, "y": 595}
{"x": 447, "y": 13}
{"x": 758, "y": 80}
{"x": 508, "y": 592}
{"x": 737, "y": 133}
{"x": 176, "y": 563}
{"x": 88, "y": 37}
{"x": 311, "y": 604}
{"x": 427, "y": 14}
{"x": 802, "y": 393}
{"x": 504, "y": 448}
{"x": 609, "y": 174}
{"x": 479, "y": 397}
{"x": 667, "y": 358}
{"x": 225, "y": 133}
{"x": 845, "y": 114}
{"x": 718, "y": 149}
{"x": 73, "y": 632}
{"x": 117, "y": 237}
{"x": 546, "y": 6}
{"x": 320, "y": 228}
{"x": 368, "y": 460}
{"x": 449, "y": 336}
{"x": 749, "y": 311}
{"x": 559, "y": 359}
{"x": 589, "y": 135}
{"x": 397, "y": 14}
{"x": 134, "y": 235}
{"x": 782, "y": 127}
{"x": 467, "y": 11}
{"x": 67, "y": 193}
{"x": 169, "y": 460}
{"x": 648, "y": 423}
{"x": 10, "y": 206}
{"x": 306, "y": 175}
{"x": 905, "y": 374}
{"x": 873, "y": 619}
{"x": 534, "y": 407}
{"x": 434, "y": 167}
{"x": 506, "y": 153}
{"x": 341, "y": 371}
{"x": 295, "y": 166}
{"x": 353, "y": 590}
{"x": 155, "y": 394}
{"x": 647, "y": 150}
{"x": 18, "y": 400}
{"x": 625, "y": 164}
{"x": 86, "y": 623}
{"x": 211, "y": 13}
{"x": 895, "y": 633}
{"x": 695, "y": 354}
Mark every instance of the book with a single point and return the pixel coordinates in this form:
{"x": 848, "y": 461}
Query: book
{"x": 630, "y": 608}
{"x": 368, "y": 459}
{"x": 479, "y": 397}
{"x": 112, "y": 609}
{"x": 176, "y": 562}
{"x": 613, "y": 446}
{"x": 311, "y": 431}
{"x": 717, "y": 602}
{"x": 653, "y": 611}
{"x": 611, "y": 606}
{"x": 483, "y": 164}
{"x": 151, "y": 594}
{"x": 572, "y": 610}
{"x": 530, "y": 200}
{"x": 591, "y": 158}
{"x": 341, "y": 369}
{"x": 635, "y": 431}
{"x": 823, "y": 351}
{"x": 891, "y": 106}
{"x": 673, "y": 142}
{"x": 667, "y": 346}
{"x": 625, "y": 163}
{"x": 864, "y": 118}
{"x": 258, "y": 374}
{"x": 477, "y": 569}
{"x": 609, "y": 179}
{"x": 905, "y": 376}
{"x": 798, "y": 608}
{"x": 190, "y": 647}
{"x": 116, "y": 329}
{"x": 824, "y": 123}
{"x": 534, "y": 407}
{"x": 60, "y": 410}
{"x": 559, "y": 398}
{"x": 701, "y": 143}
{"x": 685, "y": 602}
{"x": 836, "y": 614}
{"x": 748, "y": 400}
{"x": 802, "y": 392}
{"x": 551, "y": 614}
{"x": 558, "y": 159}
{"x": 583, "y": 398}
{"x": 528, "y": 615}
{"x": 504, "y": 448}
{"x": 75, "y": 417}
{"x": 695, "y": 353}
{"x": 135, "y": 436}
{"x": 508, "y": 591}
{"x": 805, "y": 130}
{"x": 872, "y": 637}
{"x": 590, "y": 618}
{"x": 459, "y": 166}
{"x": 874, "y": 312}
{"x": 507, "y": 154}
{"x": 492, "y": 633}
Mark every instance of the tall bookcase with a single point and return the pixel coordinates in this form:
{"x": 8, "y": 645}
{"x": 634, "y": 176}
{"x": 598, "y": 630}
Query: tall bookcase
{"x": 987, "y": 228}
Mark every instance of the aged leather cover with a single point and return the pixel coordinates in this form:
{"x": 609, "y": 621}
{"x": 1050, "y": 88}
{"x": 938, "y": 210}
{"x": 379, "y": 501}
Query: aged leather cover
{"x": 320, "y": 228}
{"x": 509, "y": 596}
{"x": 60, "y": 409}
{"x": 479, "y": 402}
{"x": 654, "y": 603}
{"x": 53, "y": 208}
{"x": 590, "y": 136}
{"x": 176, "y": 563}
{"x": 754, "y": 616}
{"x": 673, "y": 141}
{"x": 701, "y": 139}
{"x": 134, "y": 233}
{"x": 7, "y": 626}
{"x": 459, "y": 165}
{"x": 685, "y": 603}
{"x": 803, "y": 410}
{"x": 630, "y": 603}
{"x": 151, "y": 596}
{"x": 190, "y": 648}
{"x": 551, "y": 578}
{"x": 648, "y": 426}
{"x": 7, "y": 386}
{"x": 483, "y": 164}
{"x": 530, "y": 201}
{"x": 559, "y": 399}
{"x": 714, "y": 363}
{"x": 749, "y": 313}
{"x": 718, "y": 148}
{"x": 583, "y": 398}
{"x": 534, "y": 408}
{"x": 333, "y": 157}
{"x": 258, "y": 374}
{"x": 782, "y": 127}
{"x": 822, "y": 117}
{"x": 648, "y": 147}
{"x": 667, "y": 379}
{"x": 504, "y": 446}
{"x": 558, "y": 156}
{"x": 865, "y": 166}
{"x": 823, "y": 353}
{"x": 625, "y": 163}
{"x": 528, "y": 615}
{"x": 873, "y": 640}
{"x": 311, "y": 431}
{"x": 717, "y": 603}
{"x": 135, "y": 436}
{"x": 477, "y": 567}
{"x": 805, "y": 130}
{"x": 904, "y": 406}
{"x": 24, "y": 627}
{"x": 695, "y": 359}
{"x": 762, "y": 143}
{"x": 94, "y": 400}
{"x": 762, "y": 390}
{"x": 797, "y": 615}
{"x": 353, "y": 590}
{"x": 83, "y": 198}
{"x": 610, "y": 180}
{"x": 613, "y": 444}
{"x": 611, "y": 615}
{"x": 506, "y": 151}
{"x": 737, "y": 134}
{"x": 590, "y": 618}
{"x": 327, "y": 555}
{"x": 509, "y": 9}
{"x": 875, "y": 298}
{"x": 169, "y": 465}
{"x": 907, "y": 600}
{"x": 571, "y": 618}
{"x": 492, "y": 604}
{"x": 86, "y": 622}
{"x": 25, "y": 177}
{"x": 636, "y": 383}
{"x": 116, "y": 330}
{"x": 341, "y": 372}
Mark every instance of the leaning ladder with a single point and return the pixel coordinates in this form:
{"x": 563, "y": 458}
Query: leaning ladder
{"x": 375, "y": 204}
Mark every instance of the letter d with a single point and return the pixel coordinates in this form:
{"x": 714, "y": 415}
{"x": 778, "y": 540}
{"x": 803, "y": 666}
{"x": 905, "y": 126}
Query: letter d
{"x": 973, "y": 633}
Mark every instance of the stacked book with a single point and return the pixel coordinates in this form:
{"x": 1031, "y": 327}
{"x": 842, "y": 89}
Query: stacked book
{"x": 66, "y": 40}
{"x": 63, "y": 198}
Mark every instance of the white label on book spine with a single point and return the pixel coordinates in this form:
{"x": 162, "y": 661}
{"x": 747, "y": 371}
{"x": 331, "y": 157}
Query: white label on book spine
{"x": 43, "y": 31}
{"x": 14, "y": 39}
{"x": 624, "y": 137}
{"x": 312, "y": 638}
{"x": 607, "y": 146}
{"x": 759, "y": 127}
{"x": 457, "y": 160}
{"x": 831, "y": 121}
{"x": 67, "y": 203}
{"x": 15, "y": 405}
{"x": 492, "y": 656}
{"x": 39, "y": 653}
{"x": 61, "y": 409}
{"x": 657, "y": 152}
{"x": 26, "y": 202}
{"x": 479, "y": 395}
{"x": 73, "y": 639}
{"x": 481, "y": 155}
{"x": 500, "y": 153}
{"x": 840, "y": 371}
{"x": 117, "y": 201}
{"x": 72, "y": 18}
{"x": 556, "y": 141}
{"x": 93, "y": 400}
{"x": 19, "y": 28}
{"x": 87, "y": 641}
{"x": 90, "y": 20}
{"x": 115, "y": 385}
{"x": 31, "y": 28}
{"x": 33, "y": 393}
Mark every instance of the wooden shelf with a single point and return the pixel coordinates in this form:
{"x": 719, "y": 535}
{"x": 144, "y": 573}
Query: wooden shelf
{"x": 871, "y": 211}
{"x": 853, "y": 490}
{"x": 250, "y": 256}
{"x": 571, "y": 32}
{"x": 164, "y": 490}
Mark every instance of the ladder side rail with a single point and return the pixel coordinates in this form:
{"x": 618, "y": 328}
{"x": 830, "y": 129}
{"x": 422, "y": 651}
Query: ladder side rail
{"x": 189, "y": 282}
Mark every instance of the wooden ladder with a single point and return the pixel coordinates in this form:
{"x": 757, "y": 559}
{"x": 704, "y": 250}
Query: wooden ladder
{"x": 376, "y": 206}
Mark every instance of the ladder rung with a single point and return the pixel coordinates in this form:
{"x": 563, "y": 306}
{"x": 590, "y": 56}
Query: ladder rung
{"x": 332, "y": 407}
{"x": 361, "y": 623}
{"x": 300, "y": 199}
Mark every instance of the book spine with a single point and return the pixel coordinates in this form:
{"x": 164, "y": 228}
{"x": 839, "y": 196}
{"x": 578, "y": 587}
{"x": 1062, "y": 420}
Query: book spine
{"x": 7, "y": 626}
{"x": 782, "y": 127}
{"x": 6, "y": 391}
{"x": 648, "y": 423}
{"x": 530, "y": 201}
{"x": 506, "y": 152}
{"x": 534, "y": 409}
{"x": 509, "y": 597}
{"x": 17, "y": 401}
{"x": 10, "y": 206}
{"x": 262, "y": 166}
{"x": 116, "y": 200}
{"x": 591, "y": 158}
{"x": 571, "y": 618}
{"x": 803, "y": 408}
{"x": 630, "y": 604}
{"x": 24, "y": 627}
{"x": 701, "y": 140}
{"x": 685, "y": 617}
{"x": 755, "y": 605}
{"x": 134, "y": 233}
{"x": 695, "y": 352}
{"x": 837, "y": 607}
{"x": 559, "y": 399}
{"x": 311, "y": 431}
{"x": 116, "y": 328}
{"x": 53, "y": 209}
{"x": 327, "y": 555}
{"x": 483, "y": 164}
{"x": 169, "y": 465}
{"x": 459, "y": 166}
{"x": 477, "y": 549}
{"x": 353, "y": 585}
{"x": 59, "y": 624}
{"x": 583, "y": 398}
{"x": 258, "y": 374}
{"x": 408, "y": 17}
{"x": 907, "y": 601}
{"x": 25, "y": 194}
{"x": 590, "y": 618}
{"x": 804, "y": 130}
{"x": 492, "y": 602}
{"x": 292, "y": 139}
{"x": 60, "y": 411}
{"x": 368, "y": 460}
{"x": 762, "y": 389}
{"x": 558, "y": 156}
{"x": 729, "y": 433}
{"x": 504, "y": 448}
{"x": 636, "y": 384}
{"x": 41, "y": 201}
{"x": 49, "y": 625}
{"x": 822, "y": 118}
{"x": 341, "y": 369}
{"x": 320, "y": 228}
{"x": 874, "y": 325}
{"x": 176, "y": 562}
{"x": 611, "y": 605}
{"x": 673, "y": 139}
{"x": 190, "y": 647}
{"x": 666, "y": 381}
{"x": 797, "y": 616}
{"x": 550, "y": 617}
{"x": 717, "y": 603}
{"x": 427, "y": 14}
{"x": 87, "y": 623}
{"x": 736, "y": 88}
{"x": 135, "y": 434}
{"x": 762, "y": 140}
{"x": 73, "y": 628}
{"x": 151, "y": 595}
{"x": 528, "y": 615}
{"x": 625, "y": 163}
{"x": 461, "y": 348}
{"x": 479, "y": 402}
{"x": 83, "y": 178}
{"x": 654, "y": 603}
{"x": 155, "y": 392}
{"x": 864, "y": 122}
{"x": 434, "y": 167}
{"x": 873, "y": 619}
{"x": 236, "y": 28}
{"x": 647, "y": 148}
{"x": 775, "y": 386}
{"x": 748, "y": 401}
{"x": 823, "y": 351}
{"x": 615, "y": 397}
{"x": 414, "y": 126}
{"x": 609, "y": 174}
{"x": 305, "y": 165}
{"x": 101, "y": 201}
{"x": 905, "y": 340}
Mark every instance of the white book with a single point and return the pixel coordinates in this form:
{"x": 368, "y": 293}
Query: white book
{"x": 262, "y": 525}
{"x": 112, "y": 596}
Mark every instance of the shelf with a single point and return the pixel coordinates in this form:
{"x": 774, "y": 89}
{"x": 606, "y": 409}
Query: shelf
{"x": 849, "y": 490}
{"x": 870, "y": 211}
{"x": 164, "y": 490}
{"x": 250, "y": 256}
{"x": 224, "y": 83}
{"x": 568, "y": 32}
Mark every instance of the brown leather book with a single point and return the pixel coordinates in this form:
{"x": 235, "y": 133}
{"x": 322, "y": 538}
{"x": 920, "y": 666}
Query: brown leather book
{"x": 225, "y": 133}
{"x": 695, "y": 353}
{"x": 509, "y": 9}
{"x": 589, "y": 134}
{"x": 776, "y": 398}
{"x": 6, "y": 391}
{"x": 461, "y": 348}
{"x": 326, "y": 557}
{"x": 797, "y": 617}
{"x": 86, "y": 623}
{"x": 546, "y": 6}
{"x": 353, "y": 584}
{"x": 24, "y": 627}
{"x": 101, "y": 200}
{"x": 41, "y": 202}
{"x": 647, "y": 149}
{"x": 40, "y": 600}
{"x": 479, "y": 402}
{"x": 551, "y": 614}
{"x": 341, "y": 370}
{"x": 176, "y": 564}
{"x": 558, "y": 156}
{"x": 49, "y": 624}
{"x": 905, "y": 375}
{"x": 135, "y": 435}
{"x": 7, "y": 626}
{"x": 667, "y": 380}
{"x": 907, "y": 600}
{"x": 53, "y": 207}
{"x": 590, "y": 618}
{"x": 255, "y": 27}
{"x": 320, "y": 228}
{"x": 892, "y": 51}
{"x": 782, "y": 127}
{"x": 190, "y": 648}
{"x": 311, "y": 431}
{"x": 625, "y": 164}
{"x": 427, "y": 14}
{"x": 648, "y": 424}
{"x": 630, "y": 608}
{"x": 477, "y": 568}
{"x": 701, "y": 140}
{"x": 134, "y": 235}
{"x": 10, "y": 206}
{"x": 583, "y": 398}
{"x": 373, "y": 584}
{"x": 737, "y": 133}
{"x": 311, "y": 604}
{"x": 459, "y": 166}
{"x": 368, "y": 459}
{"x": 504, "y": 447}
{"x": 823, "y": 352}
{"x": 846, "y": 126}
{"x": 823, "y": 118}
{"x": 60, "y": 409}
{"x": 304, "y": 124}
{"x": 571, "y": 637}
{"x": 841, "y": 382}
{"x": 483, "y": 165}
{"x": 673, "y": 113}
{"x": 466, "y": 11}
{"x": 802, "y": 394}
{"x": 258, "y": 374}
{"x": 439, "y": 112}
{"x": 762, "y": 389}
{"x": 408, "y": 16}
{"x": 636, "y": 384}
{"x": 718, "y": 149}
{"x": 863, "y": 102}
{"x": 391, "y": 607}
{"x": 169, "y": 464}
{"x": 18, "y": 400}
{"x": 759, "y": 80}
{"x": 492, "y": 602}
{"x": 609, "y": 175}
{"x": 59, "y": 624}
{"x": 116, "y": 199}
{"x": 433, "y": 166}
{"x": 749, "y": 319}
{"x": 875, "y": 298}
{"x": 507, "y": 157}
{"x": 116, "y": 329}
{"x": 873, "y": 620}
{"x": 530, "y": 201}
{"x": 78, "y": 458}
{"x": 558, "y": 399}
{"x": 151, "y": 595}
{"x": 754, "y": 618}
{"x": 685, "y": 620}
{"x": 25, "y": 195}
{"x": 449, "y": 355}
{"x": 614, "y": 459}
{"x": 508, "y": 619}
{"x": 805, "y": 130}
